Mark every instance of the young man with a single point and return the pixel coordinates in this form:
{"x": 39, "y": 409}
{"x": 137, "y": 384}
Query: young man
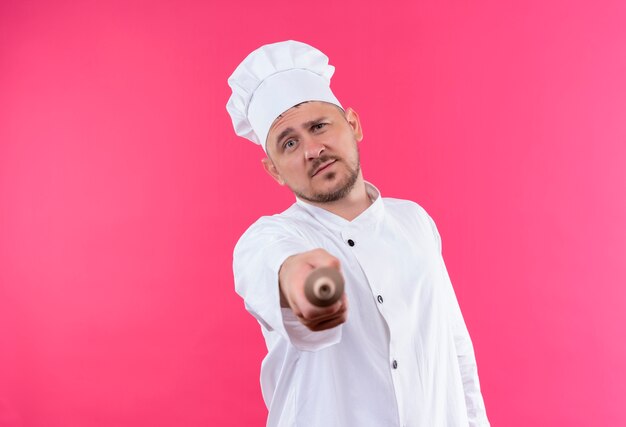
{"x": 394, "y": 350}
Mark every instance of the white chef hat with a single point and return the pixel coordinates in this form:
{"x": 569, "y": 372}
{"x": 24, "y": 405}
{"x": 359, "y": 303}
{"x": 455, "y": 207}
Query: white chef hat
{"x": 271, "y": 80}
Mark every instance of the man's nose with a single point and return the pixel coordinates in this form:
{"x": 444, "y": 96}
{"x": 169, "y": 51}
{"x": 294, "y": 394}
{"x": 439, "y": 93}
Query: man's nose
{"x": 313, "y": 149}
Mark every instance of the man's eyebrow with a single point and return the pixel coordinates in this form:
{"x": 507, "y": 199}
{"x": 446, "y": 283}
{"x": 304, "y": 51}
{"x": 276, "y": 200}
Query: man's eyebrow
{"x": 305, "y": 125}
{"x": 283, "y": 134}
{"x": 314, "y": 122}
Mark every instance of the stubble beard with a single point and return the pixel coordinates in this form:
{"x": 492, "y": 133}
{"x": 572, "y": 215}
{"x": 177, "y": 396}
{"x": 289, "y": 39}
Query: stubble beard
{"x": 342, "y": 190}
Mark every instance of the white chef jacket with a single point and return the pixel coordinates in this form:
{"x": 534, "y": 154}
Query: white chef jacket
{"x": 403, "y": 357}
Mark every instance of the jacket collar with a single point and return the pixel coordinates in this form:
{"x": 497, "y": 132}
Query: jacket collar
{"x": 368, "y": 218}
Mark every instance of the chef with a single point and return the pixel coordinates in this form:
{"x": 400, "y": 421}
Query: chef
{"x": 394, "y": 350}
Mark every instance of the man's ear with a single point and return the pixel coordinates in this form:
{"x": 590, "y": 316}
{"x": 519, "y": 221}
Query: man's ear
{"x": 355, "y": 123}
{"x": 269, "y": 167}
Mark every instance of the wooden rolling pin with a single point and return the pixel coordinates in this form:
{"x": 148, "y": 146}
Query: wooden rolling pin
{"x": 324, "y": 286}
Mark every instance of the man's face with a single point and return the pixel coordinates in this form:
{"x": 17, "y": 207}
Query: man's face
{"x": 312, "y": 148}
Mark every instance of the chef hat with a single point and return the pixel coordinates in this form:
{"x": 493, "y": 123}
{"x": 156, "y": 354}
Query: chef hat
{"x": 271, "y": 80}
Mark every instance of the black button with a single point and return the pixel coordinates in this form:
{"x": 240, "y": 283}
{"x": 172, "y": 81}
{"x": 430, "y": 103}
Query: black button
{"x": 394, "y": 364}
{"x": 351, "y": 242}
{"x": 380, "y": 299}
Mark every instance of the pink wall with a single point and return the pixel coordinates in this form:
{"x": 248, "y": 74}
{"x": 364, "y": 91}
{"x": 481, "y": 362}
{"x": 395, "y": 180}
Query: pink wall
{"x": 123, "y": 190}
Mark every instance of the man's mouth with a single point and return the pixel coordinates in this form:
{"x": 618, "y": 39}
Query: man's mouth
{"x": 323, "y": 166}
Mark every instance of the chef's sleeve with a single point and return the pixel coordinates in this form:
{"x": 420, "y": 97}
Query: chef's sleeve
{"x": 476, "y": 412}
{"x": 257, "y": 259}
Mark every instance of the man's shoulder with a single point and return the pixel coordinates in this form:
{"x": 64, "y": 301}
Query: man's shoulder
{"x": 293, "y": 215}
{"x": 287, "y": 222}
{"x": 290, "y": 225}
{"x": 409, "y": 212}
{"x": 404, "y": 206}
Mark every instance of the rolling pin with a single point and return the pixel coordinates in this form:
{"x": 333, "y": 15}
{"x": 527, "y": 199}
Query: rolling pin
{"x": 324, "y": 286}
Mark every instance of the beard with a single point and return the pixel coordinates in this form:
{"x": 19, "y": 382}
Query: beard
{"x": 341, "y": 189}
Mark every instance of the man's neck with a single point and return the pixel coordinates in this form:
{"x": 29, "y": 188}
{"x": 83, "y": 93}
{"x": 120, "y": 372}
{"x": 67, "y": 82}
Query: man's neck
{"x": 350, "y": 206}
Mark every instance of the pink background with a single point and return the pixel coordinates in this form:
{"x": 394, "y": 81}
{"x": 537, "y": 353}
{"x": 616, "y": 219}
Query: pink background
{"x": 123, "y": 190}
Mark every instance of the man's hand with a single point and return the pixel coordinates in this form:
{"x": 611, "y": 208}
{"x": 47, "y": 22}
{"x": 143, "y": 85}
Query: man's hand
{"x": 291, "y": 278}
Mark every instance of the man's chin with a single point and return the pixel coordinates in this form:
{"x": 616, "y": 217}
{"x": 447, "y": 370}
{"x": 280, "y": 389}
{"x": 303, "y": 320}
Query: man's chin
{"x": 328, "y": 193}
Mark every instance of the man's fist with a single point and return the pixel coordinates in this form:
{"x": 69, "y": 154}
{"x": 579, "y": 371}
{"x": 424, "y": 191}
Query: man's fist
{"x": 292, "y": 277}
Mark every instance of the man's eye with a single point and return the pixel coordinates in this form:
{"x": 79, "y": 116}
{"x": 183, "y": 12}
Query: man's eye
{"x": 318, "y": 126}
{"x": 290, "y": 143}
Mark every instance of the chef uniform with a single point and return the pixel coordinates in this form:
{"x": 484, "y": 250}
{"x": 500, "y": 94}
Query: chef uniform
{"x": 404, "y": 356}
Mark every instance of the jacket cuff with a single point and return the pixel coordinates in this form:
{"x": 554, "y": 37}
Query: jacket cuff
{"x": 305, "y": 339}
